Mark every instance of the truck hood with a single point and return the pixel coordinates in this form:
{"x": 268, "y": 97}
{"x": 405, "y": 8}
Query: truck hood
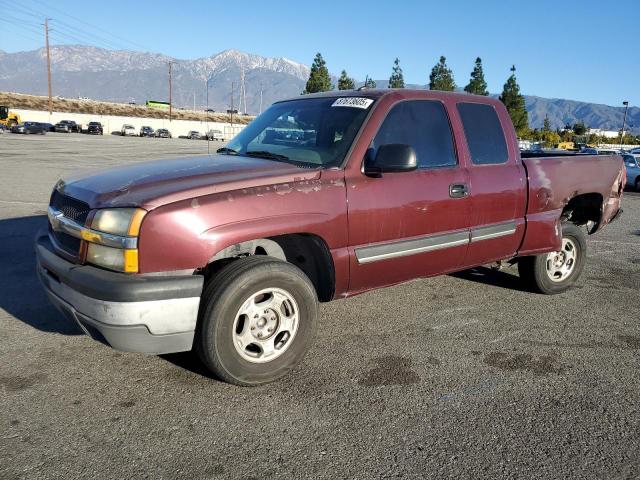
{"x": 153, "y": 184}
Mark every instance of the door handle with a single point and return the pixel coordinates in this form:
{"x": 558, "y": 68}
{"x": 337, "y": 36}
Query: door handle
{"x": 458, "y": 190}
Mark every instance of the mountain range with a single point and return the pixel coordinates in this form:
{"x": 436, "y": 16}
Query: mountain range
{"x": 126, "y": 76}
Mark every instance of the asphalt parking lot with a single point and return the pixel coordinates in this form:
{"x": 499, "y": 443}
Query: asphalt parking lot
{"x": 462, "y": 376}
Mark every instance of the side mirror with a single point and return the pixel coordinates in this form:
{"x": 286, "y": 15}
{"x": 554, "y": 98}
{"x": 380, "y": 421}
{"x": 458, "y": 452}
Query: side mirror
{"x": 391, "y": 158}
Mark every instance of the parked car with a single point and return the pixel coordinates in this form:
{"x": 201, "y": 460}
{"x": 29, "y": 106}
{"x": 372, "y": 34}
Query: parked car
{"x": 95, "y": 128}
{"x": 128, "y": 130}
{"x": 635, "y": 151}
{"x": 146, "y": 132}
{"x": 29, "y": 128}
{"x": 589, "y": 151}
{"x": 194, "y": 135}
{"x": 633, "y": 170}
{"x": 67, "y": 126}
{"x": 163, "y": 133}
{"x": 230, "y": 256}
{"x": 49, "y": 127}
{"x": 215, "y": 135}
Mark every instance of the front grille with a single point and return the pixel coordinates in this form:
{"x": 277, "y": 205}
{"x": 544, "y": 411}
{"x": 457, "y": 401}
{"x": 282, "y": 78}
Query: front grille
{"x": 74, "y": 210}
{"x": 70, "y": 207}
{"x": 68, "y": 243}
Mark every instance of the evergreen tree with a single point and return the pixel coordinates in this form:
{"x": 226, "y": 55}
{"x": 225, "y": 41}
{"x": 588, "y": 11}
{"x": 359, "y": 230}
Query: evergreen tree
{"x": 546, "y": 126}
{"x": 370, "y": 83}
{"x": 345, "y": 82}
{"x": 397, "y": 78}
{"x": 319, "y": 80}
{"x": 441, "y": 77}
{"x": 514, "y": 101}
{"x": 579, "y": 128}
{"x": 477, "y": 84}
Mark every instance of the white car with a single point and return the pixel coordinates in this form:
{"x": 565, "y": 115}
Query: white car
{"x": 215, "y": 135}
{"x": 128, "y": 130}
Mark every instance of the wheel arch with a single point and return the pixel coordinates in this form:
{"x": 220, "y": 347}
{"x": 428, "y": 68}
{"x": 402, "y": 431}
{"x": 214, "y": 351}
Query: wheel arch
{"x": 307, "y": 251}
{"x": 583, "y": 209}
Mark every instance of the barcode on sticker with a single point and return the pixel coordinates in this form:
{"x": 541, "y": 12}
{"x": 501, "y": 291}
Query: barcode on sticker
{"x": 355, "y": 102}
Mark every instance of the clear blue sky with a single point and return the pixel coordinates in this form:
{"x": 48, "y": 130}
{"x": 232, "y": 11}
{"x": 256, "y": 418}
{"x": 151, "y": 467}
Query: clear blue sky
{"x": 582, "y": 50}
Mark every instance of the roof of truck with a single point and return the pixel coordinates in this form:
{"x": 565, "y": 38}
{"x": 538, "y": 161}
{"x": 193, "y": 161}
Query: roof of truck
{"x": 401, "y": 92}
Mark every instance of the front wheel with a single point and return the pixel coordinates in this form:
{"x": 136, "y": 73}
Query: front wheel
{"x": 556, "y": 272}
{"x": 257, "y": 320}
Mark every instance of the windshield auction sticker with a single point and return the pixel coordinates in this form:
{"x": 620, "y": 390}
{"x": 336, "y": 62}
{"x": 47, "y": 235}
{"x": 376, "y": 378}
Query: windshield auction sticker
{"x": 355, "y": 102}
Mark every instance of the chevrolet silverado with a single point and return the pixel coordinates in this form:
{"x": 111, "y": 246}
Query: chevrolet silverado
{"x": 321, "y": 197}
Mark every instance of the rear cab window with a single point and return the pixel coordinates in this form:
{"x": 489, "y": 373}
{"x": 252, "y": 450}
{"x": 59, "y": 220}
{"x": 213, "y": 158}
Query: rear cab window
{"x": 484, "y": 133}
{"x": 423, "y": 125}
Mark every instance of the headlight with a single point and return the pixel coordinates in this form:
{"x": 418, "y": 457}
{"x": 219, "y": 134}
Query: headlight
{"x": 120, "y": 227}
{"x": 113, "y": 258}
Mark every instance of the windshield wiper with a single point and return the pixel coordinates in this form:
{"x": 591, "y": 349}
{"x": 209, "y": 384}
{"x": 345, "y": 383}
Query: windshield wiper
{"x": 267, "y": 155}
{"x": 226, "y": 151}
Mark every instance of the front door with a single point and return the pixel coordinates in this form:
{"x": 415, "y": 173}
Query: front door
{"x": 410, "y": 224}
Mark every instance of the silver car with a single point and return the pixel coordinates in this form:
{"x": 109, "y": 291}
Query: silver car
{"x": 633, "y": 170}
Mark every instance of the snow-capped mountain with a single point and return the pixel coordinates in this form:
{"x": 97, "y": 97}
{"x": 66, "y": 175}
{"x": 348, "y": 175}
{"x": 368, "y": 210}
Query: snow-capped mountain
{"x": 122, "y": 76}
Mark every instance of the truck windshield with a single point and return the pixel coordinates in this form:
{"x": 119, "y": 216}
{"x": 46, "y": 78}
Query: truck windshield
{"x": 313, "y": 132}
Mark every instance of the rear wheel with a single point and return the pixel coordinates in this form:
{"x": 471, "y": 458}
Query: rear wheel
{"x": 556, "y": 272}
{"x": 637, "y": 184}
{"x": 258, "y": 318}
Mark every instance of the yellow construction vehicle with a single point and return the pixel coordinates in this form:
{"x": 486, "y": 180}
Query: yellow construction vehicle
{"x": 7, "y": 118}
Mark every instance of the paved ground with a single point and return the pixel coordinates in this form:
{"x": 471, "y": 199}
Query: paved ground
{"x": 464, "y": 376}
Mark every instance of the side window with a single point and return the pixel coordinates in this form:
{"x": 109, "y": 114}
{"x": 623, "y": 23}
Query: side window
{"x": 424, "y": 125}
{"x": 484, "y": 133}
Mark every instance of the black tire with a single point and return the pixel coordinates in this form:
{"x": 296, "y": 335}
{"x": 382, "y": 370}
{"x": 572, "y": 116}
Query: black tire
{"x": 222, "y": 299}
{"x": 534, "y": 271}
{"x": 637, "y": 184}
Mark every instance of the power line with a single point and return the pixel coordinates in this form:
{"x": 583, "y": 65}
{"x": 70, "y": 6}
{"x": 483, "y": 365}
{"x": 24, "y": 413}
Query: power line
{"x": 21, "y": 33}
{"x": 95, "y": 27}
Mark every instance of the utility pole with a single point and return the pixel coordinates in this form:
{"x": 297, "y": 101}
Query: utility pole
{"x": 232, "y": 107}
{"x": 260, "y": 98}
{"x": 46, "y": 40}
{"x": 170, "y": 79}
{"x": 624, "y": 121}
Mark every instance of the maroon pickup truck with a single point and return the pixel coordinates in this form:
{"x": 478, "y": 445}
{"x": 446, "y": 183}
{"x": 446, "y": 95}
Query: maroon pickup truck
{"x": 320, "y": 197}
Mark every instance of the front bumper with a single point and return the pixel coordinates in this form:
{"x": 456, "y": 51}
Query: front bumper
{"x": 131, "y": 313}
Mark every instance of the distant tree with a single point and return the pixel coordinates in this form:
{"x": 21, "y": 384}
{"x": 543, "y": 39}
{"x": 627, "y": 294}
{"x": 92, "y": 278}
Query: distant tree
{"x": 514, "y": 101}
{"x": 546, "y": 126}
{"x": 396, "y": 80}
{"x": 319, "y": 80}
{"x": 441, "y": 77}
{"x": 579, "y": 128}
{"x": 345, "y": 82}
{"x": 369, "y": 83}
{"x": 477, "y": 84}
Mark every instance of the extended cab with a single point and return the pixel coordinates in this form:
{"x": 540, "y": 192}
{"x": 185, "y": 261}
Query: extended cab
{"x": 319, "y": 198}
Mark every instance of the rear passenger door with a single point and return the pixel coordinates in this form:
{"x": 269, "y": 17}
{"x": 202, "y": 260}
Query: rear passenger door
{"x": 497, "y": 183}
{"x": 407, "y": 225}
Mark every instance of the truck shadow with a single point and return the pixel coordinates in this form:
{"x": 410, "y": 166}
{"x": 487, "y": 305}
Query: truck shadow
{"x": 490, "y": 276}
{"x": 21, "y": 294}
{"x": 188, "y": 361}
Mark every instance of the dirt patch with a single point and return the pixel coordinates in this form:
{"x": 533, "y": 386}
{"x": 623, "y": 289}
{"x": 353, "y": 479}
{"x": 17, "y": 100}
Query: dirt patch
{"x": 541, "y": 365}
{"x": 16, "y": 383}
{"x": 631, "y": 340}
{"x": 392, "y": 370}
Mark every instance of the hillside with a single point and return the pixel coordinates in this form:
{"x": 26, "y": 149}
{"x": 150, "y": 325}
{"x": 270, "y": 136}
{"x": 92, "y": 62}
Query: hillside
{"x": 120, "y": 76}
{"x": 33, "y": 102}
